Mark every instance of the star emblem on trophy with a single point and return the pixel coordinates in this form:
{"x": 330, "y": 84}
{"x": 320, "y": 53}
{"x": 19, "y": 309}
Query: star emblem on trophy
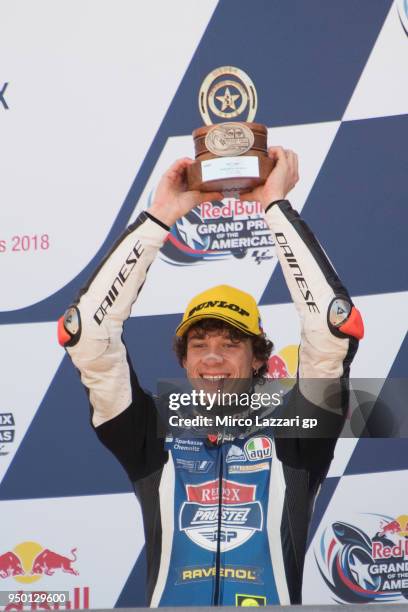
{"x": 231, "y": 156}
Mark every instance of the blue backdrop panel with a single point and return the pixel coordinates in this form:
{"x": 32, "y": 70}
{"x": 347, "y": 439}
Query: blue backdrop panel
{"x": 360, "y": 222}
{"x": 305, "y": 59}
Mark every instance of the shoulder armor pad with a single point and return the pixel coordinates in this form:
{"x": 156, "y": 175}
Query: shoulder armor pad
{"x": 344, "y": 318}
{"x": 339, "y": 311}
{"x": 69, "y": 327}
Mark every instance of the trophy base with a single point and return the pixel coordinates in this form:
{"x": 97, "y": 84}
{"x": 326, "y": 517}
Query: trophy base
{"x": 229, "y": 174}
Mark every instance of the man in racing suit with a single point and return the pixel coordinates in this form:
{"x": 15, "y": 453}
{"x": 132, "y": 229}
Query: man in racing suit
{"x": 225, "y": 520}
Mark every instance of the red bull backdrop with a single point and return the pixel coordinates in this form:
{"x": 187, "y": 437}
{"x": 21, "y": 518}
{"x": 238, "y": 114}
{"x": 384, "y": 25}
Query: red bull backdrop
{"x": 96, "y": 100}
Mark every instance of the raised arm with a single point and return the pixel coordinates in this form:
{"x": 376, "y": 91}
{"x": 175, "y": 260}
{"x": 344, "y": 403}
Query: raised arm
{"x": 91, "y": 331}
{"x": 330, "y": 323}
{"x": 331, "y": 326}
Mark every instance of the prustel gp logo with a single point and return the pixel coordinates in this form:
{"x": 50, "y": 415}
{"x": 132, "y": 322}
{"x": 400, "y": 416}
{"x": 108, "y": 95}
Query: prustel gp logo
{"x": 359, "y": 568}
{"x": 28, "y": 561}
{"x": 241, "y": 514}
{"x": 219, "y": 230}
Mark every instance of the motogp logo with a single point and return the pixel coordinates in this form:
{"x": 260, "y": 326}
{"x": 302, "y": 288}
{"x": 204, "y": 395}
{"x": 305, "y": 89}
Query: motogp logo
{"x": 241, "y": 514}
{"x": 364, "y": 567}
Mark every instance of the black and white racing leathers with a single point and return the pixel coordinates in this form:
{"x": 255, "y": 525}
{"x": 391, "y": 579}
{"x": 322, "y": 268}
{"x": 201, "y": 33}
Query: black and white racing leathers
{"x": 225, "y": 524}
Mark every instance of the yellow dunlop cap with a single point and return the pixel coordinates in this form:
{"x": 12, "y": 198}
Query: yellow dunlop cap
{"x": 227, "y": 304}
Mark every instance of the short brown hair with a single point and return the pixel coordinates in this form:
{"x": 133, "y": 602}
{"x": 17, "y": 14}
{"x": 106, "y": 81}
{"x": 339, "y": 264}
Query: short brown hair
{"x": 261, "y": 345}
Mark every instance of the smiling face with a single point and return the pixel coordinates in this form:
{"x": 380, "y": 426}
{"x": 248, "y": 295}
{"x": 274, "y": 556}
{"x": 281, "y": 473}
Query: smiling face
{"x": 214, "y": 356}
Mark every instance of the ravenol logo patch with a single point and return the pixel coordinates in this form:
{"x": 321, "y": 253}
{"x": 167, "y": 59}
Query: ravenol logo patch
{"x": 258, "y": 448}
{"x": 241, "y": 514}
{"x": 232, "y": 573}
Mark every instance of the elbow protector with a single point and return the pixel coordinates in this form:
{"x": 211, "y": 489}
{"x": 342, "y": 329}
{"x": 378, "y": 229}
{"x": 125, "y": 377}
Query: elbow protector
{"x": 344, "y": 319}
{"x": 69, "y": 327}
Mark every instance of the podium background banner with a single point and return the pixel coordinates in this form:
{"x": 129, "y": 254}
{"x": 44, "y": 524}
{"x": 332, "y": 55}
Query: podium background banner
{"x": 97, "y": 99}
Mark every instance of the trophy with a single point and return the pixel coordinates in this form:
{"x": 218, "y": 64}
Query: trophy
{"x": 230, "y": 156}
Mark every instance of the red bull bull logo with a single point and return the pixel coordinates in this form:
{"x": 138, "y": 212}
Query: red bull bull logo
{"x": 284, "y": 364}
{"x": 28, "y": 561}
{"x": 399, "y": 526}
{"x": 391, "y": 527}
{"x": 10, "y": 565}
{"x": 48, "y": 561}
{"x": 392, "y": 539}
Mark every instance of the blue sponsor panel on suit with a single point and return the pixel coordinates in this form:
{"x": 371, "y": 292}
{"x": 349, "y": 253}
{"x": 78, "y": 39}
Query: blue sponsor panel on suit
{"x": 240, "y": 527}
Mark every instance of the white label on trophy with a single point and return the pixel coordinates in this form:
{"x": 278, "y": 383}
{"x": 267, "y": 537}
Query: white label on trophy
{"x": 230, "y": 167}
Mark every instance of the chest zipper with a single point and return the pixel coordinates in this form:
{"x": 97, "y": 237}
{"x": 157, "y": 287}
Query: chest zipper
{"x": 216, "y": 601}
